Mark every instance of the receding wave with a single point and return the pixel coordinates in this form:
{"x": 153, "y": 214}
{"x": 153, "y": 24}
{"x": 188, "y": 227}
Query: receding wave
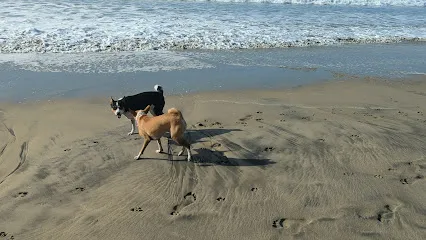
{"x": 137, "y": 44}
{"x": 413, "y": 3}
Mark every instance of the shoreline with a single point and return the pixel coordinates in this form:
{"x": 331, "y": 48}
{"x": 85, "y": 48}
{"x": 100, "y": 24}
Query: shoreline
{"x": 54, "y": 76}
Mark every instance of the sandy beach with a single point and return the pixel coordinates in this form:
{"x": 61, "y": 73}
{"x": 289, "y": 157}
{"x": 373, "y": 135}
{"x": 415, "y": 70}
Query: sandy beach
{"x": 335, "y": 160}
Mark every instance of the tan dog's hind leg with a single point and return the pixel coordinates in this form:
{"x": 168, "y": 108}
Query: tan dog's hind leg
{"x": 145, "y": 144}
{"x": 185, "y": 145}
{"x": 160, "y": 147}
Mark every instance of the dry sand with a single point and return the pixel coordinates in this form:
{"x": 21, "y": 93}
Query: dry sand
{"x": 339, "y": 160}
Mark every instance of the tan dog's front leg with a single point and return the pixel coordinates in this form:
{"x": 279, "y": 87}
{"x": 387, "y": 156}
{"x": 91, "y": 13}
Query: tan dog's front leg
{"x": 145, "y": 144}
{"x": 160, "y": 147}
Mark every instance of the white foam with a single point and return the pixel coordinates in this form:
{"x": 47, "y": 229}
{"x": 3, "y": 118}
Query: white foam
{"x": 148, "y": 61}
{"x": 107, "y": 26}
{"x": 416, "y": 3}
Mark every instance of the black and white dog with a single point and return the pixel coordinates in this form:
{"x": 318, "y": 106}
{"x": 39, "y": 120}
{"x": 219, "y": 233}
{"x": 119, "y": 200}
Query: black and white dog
{"x": 128, "y": 105}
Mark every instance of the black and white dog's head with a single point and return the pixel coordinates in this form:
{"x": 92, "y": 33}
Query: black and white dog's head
{"x": 118, "y": 107}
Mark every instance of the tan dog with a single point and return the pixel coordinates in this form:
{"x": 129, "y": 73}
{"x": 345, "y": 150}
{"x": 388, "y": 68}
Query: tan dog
{"x": 153, "y": 128}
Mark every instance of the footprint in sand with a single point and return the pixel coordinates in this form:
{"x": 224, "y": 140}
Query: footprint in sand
{"x": 5, "y": 234}
{"x": 321, "y": 140}
{"x": 282, "y": 120}
{"x": 189, "y": 198}
{"x": 411, "y": 180}
{"x": 292, "y": 225}
{"x": 81, "y": 189}
{"x": 268, "y": 149}
{"x": 385, "y": 215}
{"x": 259, "y": 112}
{"x": 245, "y": 118}
{"x": 378, "y": 176}
{"x": 68, "y": 149}
{"x": 22, "y": 194}
{"x": 253, "y": 189}
{"x": 215, "y": 145}
{"x": 279, "y": 223}
{"x": 95, "y": 142}
{"x": 409, "y": 172}
{"x": 220, "y": 199}
{"x": 259, "y": 119}
{"x": 242, "y": 123}
{"x": 348, "y": 173}
{"x": 136, "y": 209}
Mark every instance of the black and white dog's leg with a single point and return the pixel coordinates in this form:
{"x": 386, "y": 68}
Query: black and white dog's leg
{"x": 152, "y": 111}
{"x": 133, "y": 127}
{"x": 132, "y": 120}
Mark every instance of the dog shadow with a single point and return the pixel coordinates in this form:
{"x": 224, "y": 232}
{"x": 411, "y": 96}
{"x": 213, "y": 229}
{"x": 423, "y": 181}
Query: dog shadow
{"x": 205, "y": 157}
{"x": 209, "y": 157}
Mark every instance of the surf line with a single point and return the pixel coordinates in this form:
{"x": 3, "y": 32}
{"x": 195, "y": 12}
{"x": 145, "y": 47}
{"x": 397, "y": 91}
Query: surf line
{"x": 295, "y": 105}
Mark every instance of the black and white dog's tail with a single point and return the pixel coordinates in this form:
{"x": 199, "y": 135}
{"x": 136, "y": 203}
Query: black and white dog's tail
{"x": 158, "y": 88}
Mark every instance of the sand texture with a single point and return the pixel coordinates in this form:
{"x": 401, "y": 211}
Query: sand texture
{"x": 338, "y": 160}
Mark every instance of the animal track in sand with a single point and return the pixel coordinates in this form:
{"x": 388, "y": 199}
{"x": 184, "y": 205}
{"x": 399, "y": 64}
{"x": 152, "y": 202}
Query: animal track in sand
{"x": 292, "y": 225}
{"x": 220, "y": 199}
{"x": 282, "y": 120}
{"x": 279, "y": 223}
{"x": 189, "y": 198}
{"x": 354, "y": 136}
{"x": 136, "y": 209}
{"x": 215, "y": 145}
{"x": 21, "y": 194}
{"x": 268, "y": 149}
{"x": 216, "y": 124}
{"x": 5, "y": 235}
{"x": 245, "y": 118}
{"x": 348, "y": 173}
{"x": 242, "y": 123}
{"x": 81, "y": 189}
{"x": 259, "y": 112}
{"x": 385, "y": 215}
{"x": 253, "y": 189}
{"x": 190, "y": 195}
{"x": 411, "y": 180}
{"x": 68, "y": 149}
{"x": 259, "y": 119}
{"x": 378, "y": 176}
{"x": 409, "y": 172}
{"x": 321, "y": 140}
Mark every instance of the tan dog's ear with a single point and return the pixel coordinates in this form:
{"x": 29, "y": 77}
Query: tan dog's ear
{"x": 146, "y": 110}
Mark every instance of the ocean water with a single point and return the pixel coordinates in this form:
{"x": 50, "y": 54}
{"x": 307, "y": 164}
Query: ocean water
{"x": 72, "y": 26}
{"x": 56, "y": 48}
